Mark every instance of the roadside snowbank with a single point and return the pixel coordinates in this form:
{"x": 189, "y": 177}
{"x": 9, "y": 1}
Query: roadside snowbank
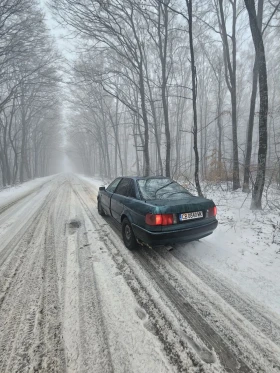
{"x": 245, "y": 248}
{"x": 9, "y": 194}
{"x": 95, "y": 182}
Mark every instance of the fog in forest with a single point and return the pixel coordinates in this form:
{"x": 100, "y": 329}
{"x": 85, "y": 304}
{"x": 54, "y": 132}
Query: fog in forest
{"x": 140, "y": 186}
{"x": 185, "y": 89}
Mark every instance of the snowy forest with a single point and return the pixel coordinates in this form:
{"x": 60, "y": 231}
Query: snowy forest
{"x": 140, "y": 186}
{"x": 186, "y": 89}
{"x": 29, "y": 94}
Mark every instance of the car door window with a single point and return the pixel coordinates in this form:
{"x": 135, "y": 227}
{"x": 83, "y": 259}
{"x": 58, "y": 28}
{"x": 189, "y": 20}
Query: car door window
{"x": 122, "y": 187}
{"x": 131, "y": 190}
{"x": 112, "y": 187}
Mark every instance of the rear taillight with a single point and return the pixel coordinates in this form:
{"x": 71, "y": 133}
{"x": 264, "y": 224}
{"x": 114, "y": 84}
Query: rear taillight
{"x": 167, "y": 219}
{"x": 153, "y": 219}
{"x": 160, "y": 219}
{"x": 211, "y": 212}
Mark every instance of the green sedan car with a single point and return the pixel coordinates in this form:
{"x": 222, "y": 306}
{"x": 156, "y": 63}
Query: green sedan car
{"x": 156, "y": 211}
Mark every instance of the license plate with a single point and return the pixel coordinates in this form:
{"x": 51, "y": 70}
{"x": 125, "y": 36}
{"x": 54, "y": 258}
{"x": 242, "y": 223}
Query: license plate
{"x": 191, "y": 215}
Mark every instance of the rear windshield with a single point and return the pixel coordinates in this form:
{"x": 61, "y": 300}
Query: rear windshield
{"x": 161, "y": 188}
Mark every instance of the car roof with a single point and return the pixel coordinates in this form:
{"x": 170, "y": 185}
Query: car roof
{"x": 144, "y": 177}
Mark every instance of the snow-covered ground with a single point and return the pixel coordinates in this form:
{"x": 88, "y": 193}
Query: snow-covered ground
{"x": 244, "y": 249}
{"x": 12, "y": 193}
{"x": 74, "y": 299}
{"x": 95, "y": 182}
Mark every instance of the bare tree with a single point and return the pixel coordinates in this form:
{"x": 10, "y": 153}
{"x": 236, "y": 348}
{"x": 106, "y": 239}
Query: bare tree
{"x": 194, "y": 95}
{"x": 263, "y": 92}
{"x": 28, "y": 86}
{"x": 118, "y": 28}
{"x": 230, "y": 68}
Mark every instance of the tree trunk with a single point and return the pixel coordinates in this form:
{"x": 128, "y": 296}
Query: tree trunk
{"x": 154, "y": 116}
{"x": 164, "y": 98}
{"x": 230, "y": 67}
{"x": 116, "y": 131}
{"x": 22, "y": 153}
{"x": 248, "y": 153}
{"x": 135, "y": 144}
{"x": 146, "y": 123}
{"x": 219, "y": 125}
{"x": 194, "y": 96}
{"x": 256, "y": 203}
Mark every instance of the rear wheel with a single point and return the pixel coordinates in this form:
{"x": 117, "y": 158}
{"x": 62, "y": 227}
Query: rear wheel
{"x": 128, "y": 235}
{"x": 100, "y": 208}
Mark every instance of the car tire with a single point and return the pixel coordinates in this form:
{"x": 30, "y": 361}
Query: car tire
{"x": 129, "y": 238}
{"x": 100, "y": 208}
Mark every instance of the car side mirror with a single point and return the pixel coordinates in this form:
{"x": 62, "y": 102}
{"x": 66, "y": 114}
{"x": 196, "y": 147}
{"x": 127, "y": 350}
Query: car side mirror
{"x": 102, "y": 188}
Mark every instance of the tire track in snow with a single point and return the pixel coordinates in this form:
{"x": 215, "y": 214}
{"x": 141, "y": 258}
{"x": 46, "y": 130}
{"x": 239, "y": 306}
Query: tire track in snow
{"x": 95, "y": 352}
{"x": 94, "y": 344}
{"x": 248, "y": 310}
{"x": 83, "y": 329}
{"x": 15, "y": 251}
{"x": 16, "y": 315}
{"x": 83, "y": 326}
{"x": 247, "y": 342}
{"x": 28, "y": 337}
{"x": 71, "y": 324}
{"x": 25, "y": 234}
{"x": 48, "y": 349}
{"x": 5, "y": 207}
{"x": 231, "y": 361}
{"x": 30, "y": 224}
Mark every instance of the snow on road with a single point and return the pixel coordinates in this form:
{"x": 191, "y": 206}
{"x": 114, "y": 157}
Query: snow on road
{"x": 14, "y": 193}
{"x": 74, "y": 299}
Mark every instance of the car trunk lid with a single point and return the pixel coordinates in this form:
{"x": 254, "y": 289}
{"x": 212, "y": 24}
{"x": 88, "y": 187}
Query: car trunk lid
{"x": 177, "y": 206}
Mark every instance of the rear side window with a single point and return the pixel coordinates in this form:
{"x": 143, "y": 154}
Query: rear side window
{"x": 123, "y": 187}
{"x": 161, "y": 188}
{"x": 111, "y": 188}
{"x": 131, "y": 190}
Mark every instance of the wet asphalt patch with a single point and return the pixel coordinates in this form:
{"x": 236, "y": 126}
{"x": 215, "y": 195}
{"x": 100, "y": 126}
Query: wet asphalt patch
{"x": 73, "y": 225}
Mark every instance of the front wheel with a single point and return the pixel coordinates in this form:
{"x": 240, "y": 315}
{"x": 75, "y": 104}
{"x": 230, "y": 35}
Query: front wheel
{"x": 128, "y": 235}
{"x": 100, "y": 208}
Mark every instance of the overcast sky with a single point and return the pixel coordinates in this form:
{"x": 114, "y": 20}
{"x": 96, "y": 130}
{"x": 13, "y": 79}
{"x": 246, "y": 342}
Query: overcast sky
{"x": 57, "y": 31}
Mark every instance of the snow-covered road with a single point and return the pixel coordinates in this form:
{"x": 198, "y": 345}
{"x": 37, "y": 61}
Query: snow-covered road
{"x": 74, "y": 299}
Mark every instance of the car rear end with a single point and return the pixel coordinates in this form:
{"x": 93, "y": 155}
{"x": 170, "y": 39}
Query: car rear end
{"x": 170, "y": 222}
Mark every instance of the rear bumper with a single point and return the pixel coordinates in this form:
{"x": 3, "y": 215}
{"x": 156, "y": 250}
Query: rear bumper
{"x": 171, "y": 237}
